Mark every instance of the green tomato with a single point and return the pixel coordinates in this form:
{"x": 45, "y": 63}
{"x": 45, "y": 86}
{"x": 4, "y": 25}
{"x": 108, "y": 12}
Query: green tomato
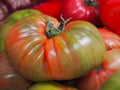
{"x": 11, "y": 20}
{"x": 51, "y": 86}
{"x": 113, "y": 83}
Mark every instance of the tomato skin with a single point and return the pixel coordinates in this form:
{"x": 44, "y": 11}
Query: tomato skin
{"x": 52, "y": 8}
{"x": 96, "y": 78}
{"x": 110, "y": 14}
{"x": 39, "y": 58}
{"x": 79, "y": 10}
{"x": 9, "y": 78}
{"x": 112, "y": 40}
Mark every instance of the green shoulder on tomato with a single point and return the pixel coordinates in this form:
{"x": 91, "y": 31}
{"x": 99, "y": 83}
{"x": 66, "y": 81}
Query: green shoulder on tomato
{"x": 11, "y": 20}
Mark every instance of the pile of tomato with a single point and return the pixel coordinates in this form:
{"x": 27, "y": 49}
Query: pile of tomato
{"x": 60, "y": 45}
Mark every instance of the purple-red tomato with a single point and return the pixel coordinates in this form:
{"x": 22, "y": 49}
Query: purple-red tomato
{"x": 110, "y": 14}
{"x": 96, "y": 78}
{"x": 9, "y": 78}
{"x": 53, "y": 0}
{"x": 81, "y": 10}
{"x": 3, "y": 11}
{"x": 14, "y": 5}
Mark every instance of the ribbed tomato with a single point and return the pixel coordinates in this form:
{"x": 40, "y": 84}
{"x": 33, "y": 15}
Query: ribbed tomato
{"x": 42, "y": 49}
{"x": 112, "y": 40}
{"x": 97, "y": 77}
{"x": 87, "y": 10}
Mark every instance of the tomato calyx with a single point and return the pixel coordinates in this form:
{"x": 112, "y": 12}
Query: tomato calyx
{"x": 51, "y": 31}
{"x": 99, "y": 69}
{"x": 91, "y": 2}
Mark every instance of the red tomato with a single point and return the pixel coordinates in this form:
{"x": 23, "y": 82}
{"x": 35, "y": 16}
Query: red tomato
{"x": 50, "y": 8}
{"x": 110, "y": 14}
{"x": 96, "y": 78}
{"x": 54, "y": 0}
{"x": 112, "y": 40}
{"x": 98, "y": 1}
{"x": 81, "y": 10}
{"x": 9, "y": 78}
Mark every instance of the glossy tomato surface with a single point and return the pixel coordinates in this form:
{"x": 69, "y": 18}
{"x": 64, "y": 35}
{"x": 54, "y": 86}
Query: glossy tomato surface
{"x": 10, "y": 21}
{"x": 110, "y": 14}
{"x": 40, "y": 55}
{"x": 81, "y": 10}
{"x": 96, "y": 78}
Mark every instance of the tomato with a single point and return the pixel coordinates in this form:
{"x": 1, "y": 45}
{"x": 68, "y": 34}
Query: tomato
{"x": 41, "y": 53}
{"x": 14, "y": 5}
{"x": 9, "y": 78}
{"x": 53, "y": 0}
{"x": 96, "y": 78}
{"x": 110, "y": 14}
{"x": 3, "y": 11}
{"x": 98, "y": 1}
{"x": 50, "y": 8}
{"x": 81, "y": 10}
{"x": 113, "y": 83}
{"x": 11, "y": 20}
{"x": 50, "y": 86}
{"x": 112, "y": 40}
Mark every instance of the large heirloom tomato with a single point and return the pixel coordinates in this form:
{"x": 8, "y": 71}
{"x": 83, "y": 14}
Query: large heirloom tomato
{"x": 112, "y": 40}
{"x": 97, "y": 77}
{"x": 42, "y": 49}
{"x": 9, "y": 78}
{"x": 11, "y": 20}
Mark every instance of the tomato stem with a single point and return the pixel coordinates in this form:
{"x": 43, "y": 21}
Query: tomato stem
{"x": 51, "y": 31}
{"x": 91, "y": 2}
{"x": 99, "y": 68}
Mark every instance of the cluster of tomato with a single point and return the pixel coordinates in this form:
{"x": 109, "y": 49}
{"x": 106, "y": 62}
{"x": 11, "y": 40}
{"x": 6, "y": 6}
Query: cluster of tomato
{"x": 61, "y": 44}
